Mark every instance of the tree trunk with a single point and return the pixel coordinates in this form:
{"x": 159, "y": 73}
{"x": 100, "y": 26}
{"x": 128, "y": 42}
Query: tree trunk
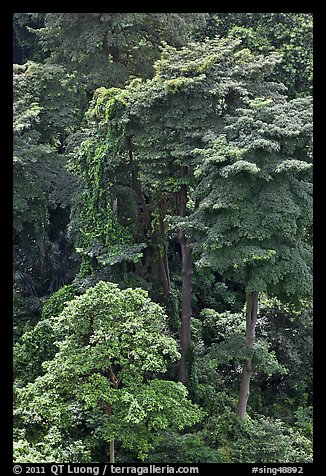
{"x": 186, "y": 283}
{"x": 115, "y": 208}
{"x": 136, "y": 186}
{"x": 186, "y": 305}
{"x": 112, "y": 458}
{"x": 115, "y": 381}
{"x": 251, "y": 319}
{"x": 163, "y": 256}
{"x": 164, "y": 277}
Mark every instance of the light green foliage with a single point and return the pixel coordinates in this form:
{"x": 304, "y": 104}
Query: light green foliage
{"x": 165, "y": 119}
{"x": 255, "y": 210}
{"x": 37, "y": 344}
{"x": 169, "y": 115}
{"x": 109, "y": 330}
{"x": 191, "y": 91}
{"x": 51, "y": 449}
{"x": 289, "y": 34}
{"x": 102, "y": 237}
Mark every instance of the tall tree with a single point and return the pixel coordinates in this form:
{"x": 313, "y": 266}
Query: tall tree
{"x": 109, "y": 47}
{"x": 255, "y": 210}
{"x": 289, "y": 34}
{"x": 44, "y": 112}
{"x": 164, "y": 119}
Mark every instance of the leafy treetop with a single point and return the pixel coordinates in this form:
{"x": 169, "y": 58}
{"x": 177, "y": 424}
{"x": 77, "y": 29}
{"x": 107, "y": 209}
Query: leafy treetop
{"x": 256, "y": 198}
{"x": 115, "y": 344}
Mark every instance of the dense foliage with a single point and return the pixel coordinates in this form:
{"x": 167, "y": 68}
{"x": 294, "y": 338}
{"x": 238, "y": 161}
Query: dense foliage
{"x": 162, "y": 237}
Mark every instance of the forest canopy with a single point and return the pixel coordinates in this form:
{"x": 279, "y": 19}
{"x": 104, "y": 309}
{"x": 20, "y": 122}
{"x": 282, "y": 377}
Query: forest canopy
{"x": 162, "y": 237}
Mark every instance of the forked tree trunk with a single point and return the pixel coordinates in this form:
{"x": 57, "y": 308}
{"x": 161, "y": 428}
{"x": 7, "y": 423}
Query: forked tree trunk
{"x": 251, "y": 319}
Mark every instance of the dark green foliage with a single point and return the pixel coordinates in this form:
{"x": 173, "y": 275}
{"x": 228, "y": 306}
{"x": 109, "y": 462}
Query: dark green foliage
{"x": 56, "y": 303}
{"x": 104, "y": 237}
{"x": 138, "y": 136}
{"x": 190, "y": 448}
{"x": 211, "y": 291}
{"x": 262, "y": 162}
{"x": 25, "y": 44}
{"x": 218, "y": 345}
{"x": 289, "y": 331}
{"x": 219, "y": 348}
{"x": 108, "y": 48}
{"x": 266, "y": 440}
{"x": 23, "y": 315}
{"x": 44, "y": 114}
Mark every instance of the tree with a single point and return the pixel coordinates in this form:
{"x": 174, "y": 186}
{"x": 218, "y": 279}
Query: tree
{"x": 289, "y": 332}
{"x": 104, "y": 374}
{"x": 255, "y": 210}
{"x": 25, "y": 43}
{"x": 162, "y": 121}
{"x": 266, "y": 440}
{"x": 37, "y": 343}
{"x": 189, "y": 177}
{"x": 289, "y": 34}
{"x": 108, "y": 48}
{"x": 218, "y": 350}
{"x": 44, "y": 113}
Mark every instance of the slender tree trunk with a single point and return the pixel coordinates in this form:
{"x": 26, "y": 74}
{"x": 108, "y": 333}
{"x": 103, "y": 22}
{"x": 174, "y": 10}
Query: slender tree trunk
{"x": 164, "y": 277}
{"x": 186, "y": 283}
{"x": 162, "y": 259}
{"x": 115, "y": 381}
{"x": 145, "y": 215}
{"x": 251, "y": 319}
{"x": 186, "y": 305}
{"x": 111, "y": 443}
{"x": 112, "y": 459}
{"x": 166, "y": 267}
{"x": 115, "y": 208}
